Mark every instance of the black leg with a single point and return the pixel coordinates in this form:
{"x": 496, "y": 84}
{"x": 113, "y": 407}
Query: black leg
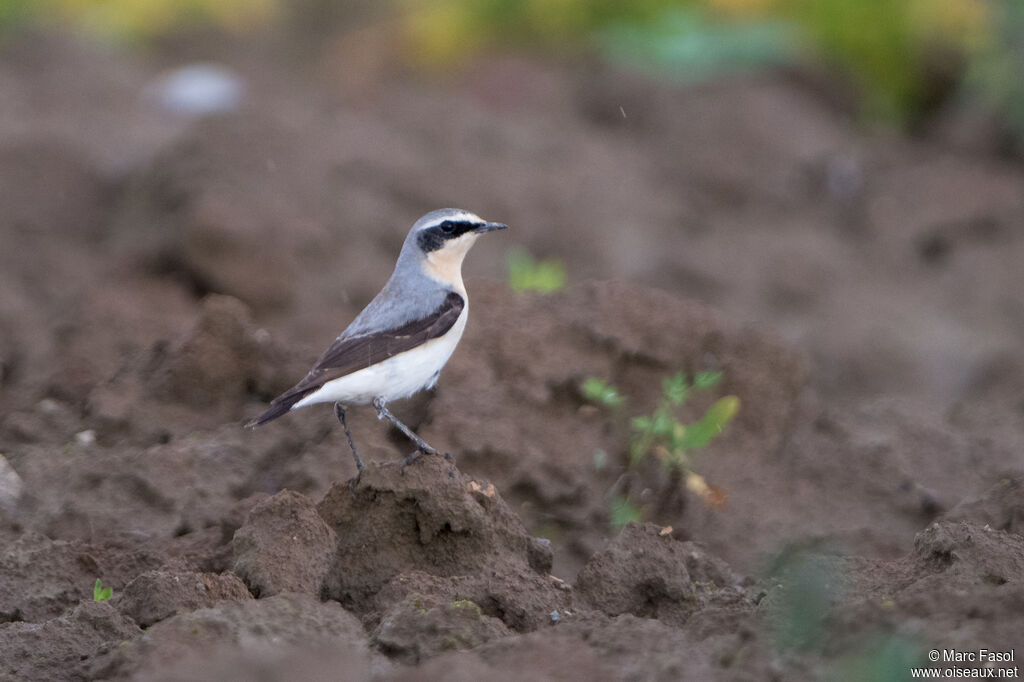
{"x": 340, "y": 412}
{"x": 384, "y": 413}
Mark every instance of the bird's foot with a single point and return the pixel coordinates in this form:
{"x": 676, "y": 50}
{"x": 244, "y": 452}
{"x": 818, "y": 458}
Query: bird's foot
{"x": 415, "y": 454}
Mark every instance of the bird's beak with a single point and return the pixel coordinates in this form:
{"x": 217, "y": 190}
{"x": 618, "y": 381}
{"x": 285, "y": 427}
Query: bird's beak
{"x": 489, "y": 227}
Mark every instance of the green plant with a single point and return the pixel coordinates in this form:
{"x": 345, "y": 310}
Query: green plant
{"x": 798, "y": 619}
{"x": 663, "y": 436}
{"x": 602, "y": 393}
{"x": 528, "y": 274}
{"x": 100, "y": 593}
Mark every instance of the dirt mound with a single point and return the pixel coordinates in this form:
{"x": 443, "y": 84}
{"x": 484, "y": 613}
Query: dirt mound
{"x": 433, "y": 561}
{"x": 43, "y": 577}
{"x": 645, "y": 573}
{"x": 157, "y": 595}
{"x": 432, "y": 519}
{"x": 284, "y": 546}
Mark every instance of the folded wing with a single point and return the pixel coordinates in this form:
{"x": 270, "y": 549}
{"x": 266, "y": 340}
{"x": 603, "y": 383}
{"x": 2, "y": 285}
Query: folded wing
{"x": 351, "y": 354}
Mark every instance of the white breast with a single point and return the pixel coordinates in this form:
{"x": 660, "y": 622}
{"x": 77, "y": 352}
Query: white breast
{"x": 395, "y": 378}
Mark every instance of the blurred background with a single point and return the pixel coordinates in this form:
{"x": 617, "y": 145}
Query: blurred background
{"x": 829, "y": 168}
{"x": 894, "y": 61}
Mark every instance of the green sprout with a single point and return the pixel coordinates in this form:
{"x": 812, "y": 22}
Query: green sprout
{"x": 670, "y": 440}
{"x": 100, "y": 593}
{"x": 663, "y": 436}
{"x": 597, "y": 391}
{"x": 528, "y": 274}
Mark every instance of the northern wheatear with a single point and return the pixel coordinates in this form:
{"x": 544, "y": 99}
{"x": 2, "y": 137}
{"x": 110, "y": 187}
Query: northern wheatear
{"x": 400, "y": 342}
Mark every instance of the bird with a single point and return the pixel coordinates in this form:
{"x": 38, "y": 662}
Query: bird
{"x": 400, "y": 342}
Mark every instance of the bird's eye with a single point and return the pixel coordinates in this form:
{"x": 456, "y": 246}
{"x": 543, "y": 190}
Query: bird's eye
{"x": 447, "y": 227}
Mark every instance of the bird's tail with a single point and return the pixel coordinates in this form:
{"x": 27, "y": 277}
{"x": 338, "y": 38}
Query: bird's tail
{"x": 279, "y": 406}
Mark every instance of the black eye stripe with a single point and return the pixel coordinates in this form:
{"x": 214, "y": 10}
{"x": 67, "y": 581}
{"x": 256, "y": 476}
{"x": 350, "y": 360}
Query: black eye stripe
{"x": 454, "y": 228}
{"x": 433, "y": 238}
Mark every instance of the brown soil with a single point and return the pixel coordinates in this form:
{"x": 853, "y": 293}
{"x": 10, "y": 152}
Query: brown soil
{"x": 161, "y": 279}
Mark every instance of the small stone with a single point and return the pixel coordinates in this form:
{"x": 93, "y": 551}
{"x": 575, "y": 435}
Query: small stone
{"x": 86, "y": 438}
{"x": 48, "y": 406}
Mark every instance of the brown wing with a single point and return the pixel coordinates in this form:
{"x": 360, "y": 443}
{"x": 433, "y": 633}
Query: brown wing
{"x": 354, "y": 353}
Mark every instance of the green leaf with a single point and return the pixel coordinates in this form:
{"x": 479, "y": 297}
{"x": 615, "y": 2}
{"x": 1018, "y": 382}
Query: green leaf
{"x": 623, "y": 512}
{"x": 705, "y": 380}
{"x": 597, "y": 391}
{"x": 697, "y": 435}
{"x": 100, "y": 593}
{"x": 527, "y": 274}
{"x": 676, "y": 388}
{"x": 663, "y": 425}
{"x": 700, "y": 433}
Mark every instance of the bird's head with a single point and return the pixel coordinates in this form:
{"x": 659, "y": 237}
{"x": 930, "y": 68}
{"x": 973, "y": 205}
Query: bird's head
{"x": 443, "y": 237}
